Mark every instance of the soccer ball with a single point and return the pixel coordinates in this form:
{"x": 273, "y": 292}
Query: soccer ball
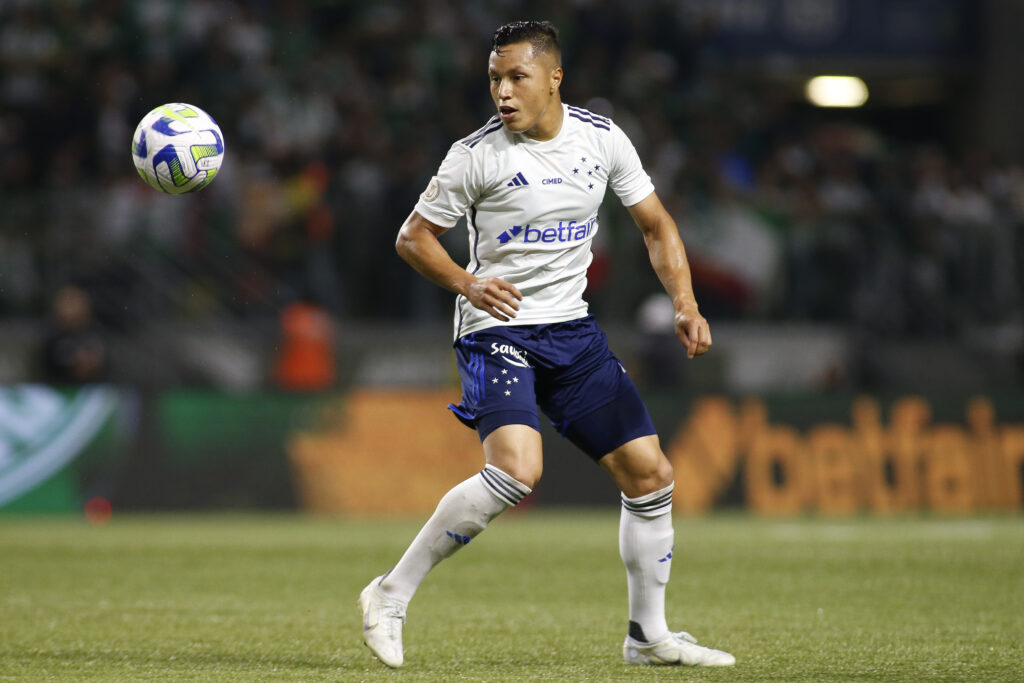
{"x": 178, "y": 148}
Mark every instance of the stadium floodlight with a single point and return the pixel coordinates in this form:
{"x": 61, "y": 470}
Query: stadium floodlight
{"x": 836, "y": 91}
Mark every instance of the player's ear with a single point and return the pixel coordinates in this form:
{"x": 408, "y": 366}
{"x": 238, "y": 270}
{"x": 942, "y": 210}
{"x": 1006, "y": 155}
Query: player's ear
{"x": 556, "y": 80}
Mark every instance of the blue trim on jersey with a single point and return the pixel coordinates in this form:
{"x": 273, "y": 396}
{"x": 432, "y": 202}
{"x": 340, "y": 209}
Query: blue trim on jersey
{"x": 480, "y": 131}
{"x": 492, "y": 125}
{"x": 587, "y": 112}
{"x": 476, "y": 240}
{"x": 476, "y": 236}
{"x": 596, "y": 124}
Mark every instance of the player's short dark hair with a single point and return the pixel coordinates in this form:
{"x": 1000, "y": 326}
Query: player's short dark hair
{"x": 541, "y": 35}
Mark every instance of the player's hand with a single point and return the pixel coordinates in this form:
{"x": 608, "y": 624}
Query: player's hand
{"x": 693, "y": 330}
{"x": 495, "y": 297}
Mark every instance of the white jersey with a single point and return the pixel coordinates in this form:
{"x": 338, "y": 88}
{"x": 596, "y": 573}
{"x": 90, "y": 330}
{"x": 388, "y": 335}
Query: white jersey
{"x": 531, "y": 209}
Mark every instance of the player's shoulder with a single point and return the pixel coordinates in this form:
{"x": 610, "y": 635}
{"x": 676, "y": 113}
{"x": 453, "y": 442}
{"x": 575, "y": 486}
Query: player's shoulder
{"x": 484, "y": 135}
{"x": 589, "y": 120}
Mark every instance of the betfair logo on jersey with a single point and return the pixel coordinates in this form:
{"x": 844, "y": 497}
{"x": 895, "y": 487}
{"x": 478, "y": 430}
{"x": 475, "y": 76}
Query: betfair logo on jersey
{"x": 567, "y": 231}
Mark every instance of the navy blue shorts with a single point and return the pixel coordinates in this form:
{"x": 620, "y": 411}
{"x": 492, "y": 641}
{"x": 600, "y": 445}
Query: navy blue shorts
{"x": 565, "y": 368}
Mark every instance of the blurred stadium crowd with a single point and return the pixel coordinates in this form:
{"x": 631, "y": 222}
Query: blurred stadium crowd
{"x": 336, "y": 115}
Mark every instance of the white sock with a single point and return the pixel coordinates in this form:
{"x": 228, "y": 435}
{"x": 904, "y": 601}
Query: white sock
{"x": 462, "y": 514}
{"x": 645, "y": 543}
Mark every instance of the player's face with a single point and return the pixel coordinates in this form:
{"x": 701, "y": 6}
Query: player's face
{"x": 524, "y": 87}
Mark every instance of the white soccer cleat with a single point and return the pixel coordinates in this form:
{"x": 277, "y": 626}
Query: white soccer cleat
{"x": 382, "y": 624}
{"x": 679, "y": 649}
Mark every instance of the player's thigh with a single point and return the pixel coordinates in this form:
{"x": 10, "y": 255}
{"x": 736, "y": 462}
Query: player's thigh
{"x": 616, "y": 415}
{"x": 516, "y": 450}
{"x": 639, "y": 466}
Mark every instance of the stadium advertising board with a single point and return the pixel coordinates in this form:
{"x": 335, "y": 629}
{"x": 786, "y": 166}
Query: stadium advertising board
{"x": 398, "y": 452}
{"x": 49, "y": 439}
{"x": 383, "y": 452}
{"x": 389, "y": 451}
{"x": 909, "y": 463}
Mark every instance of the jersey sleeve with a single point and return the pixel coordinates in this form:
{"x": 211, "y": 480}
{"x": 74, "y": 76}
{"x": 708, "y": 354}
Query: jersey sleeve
{"x": 452, "y": 191}
{"x": 627, "y": 177}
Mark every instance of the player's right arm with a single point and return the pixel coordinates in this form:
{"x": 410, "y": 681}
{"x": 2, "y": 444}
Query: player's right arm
{"x": 419, "y": 246}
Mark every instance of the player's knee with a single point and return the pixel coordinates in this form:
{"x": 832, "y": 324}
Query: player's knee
{"x": 652, "y": 475}
{"x": 526, "y": 468}
{"x": 638, "y": 474}
{"x": 525, "y": 472}
{"x": 664, "y": 473}
{"x": 515, "y": 449}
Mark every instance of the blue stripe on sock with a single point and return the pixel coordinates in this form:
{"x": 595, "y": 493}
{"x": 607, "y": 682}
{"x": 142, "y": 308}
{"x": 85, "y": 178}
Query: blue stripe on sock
{"x": 504, "y": 486}
{"x": 650, "y": 503}
{"x": 497, "y": 488}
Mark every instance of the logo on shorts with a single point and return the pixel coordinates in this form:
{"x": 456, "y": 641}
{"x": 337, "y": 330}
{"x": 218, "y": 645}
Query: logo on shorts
{"x": 509, "y": 354}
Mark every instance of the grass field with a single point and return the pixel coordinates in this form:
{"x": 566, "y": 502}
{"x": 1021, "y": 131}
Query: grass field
{"x": 540, "y": 596}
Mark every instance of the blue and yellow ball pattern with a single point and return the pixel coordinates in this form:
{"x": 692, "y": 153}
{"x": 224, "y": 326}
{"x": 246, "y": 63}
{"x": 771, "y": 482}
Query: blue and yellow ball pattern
{"x": 178, "y": 148}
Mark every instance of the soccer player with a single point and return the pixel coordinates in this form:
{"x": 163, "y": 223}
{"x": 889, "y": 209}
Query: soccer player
{"x": 530, "y": 182}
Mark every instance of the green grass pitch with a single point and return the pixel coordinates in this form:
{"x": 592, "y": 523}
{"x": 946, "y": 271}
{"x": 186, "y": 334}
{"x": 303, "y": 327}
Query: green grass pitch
{"x": 539, "y": 596}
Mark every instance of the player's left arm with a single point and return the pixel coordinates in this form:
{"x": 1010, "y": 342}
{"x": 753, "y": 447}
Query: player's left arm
{"x": 668, "y": 257}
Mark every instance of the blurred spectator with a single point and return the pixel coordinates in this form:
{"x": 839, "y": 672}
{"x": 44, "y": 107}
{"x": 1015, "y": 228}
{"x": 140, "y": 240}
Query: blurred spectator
{"x": 305, "y": 360}
{"x": 659, "y": 363}
{"x": 73, "y": 350}
{"x": 790, "y": 216}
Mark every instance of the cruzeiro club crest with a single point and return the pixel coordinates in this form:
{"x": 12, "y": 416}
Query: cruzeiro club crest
{"x": 41, "y": 430}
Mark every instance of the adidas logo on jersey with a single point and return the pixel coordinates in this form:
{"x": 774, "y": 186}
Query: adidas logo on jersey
{"x": 518, "y": 180}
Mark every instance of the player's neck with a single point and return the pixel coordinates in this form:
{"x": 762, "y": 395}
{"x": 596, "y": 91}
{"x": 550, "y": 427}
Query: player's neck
{"x": 550, "y": 124}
